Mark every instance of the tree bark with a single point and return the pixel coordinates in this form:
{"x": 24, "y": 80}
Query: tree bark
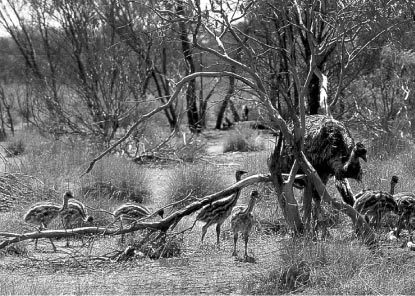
{"x": 191, "y": 99}
{"x": 314, "y": 95}
{"x": 285, "y": 192}
{"x": 226, "y": 101}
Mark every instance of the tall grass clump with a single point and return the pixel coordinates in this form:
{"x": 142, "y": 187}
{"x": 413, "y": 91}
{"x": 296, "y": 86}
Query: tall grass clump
{"x": 311, "y": 268}
{"x": 243, "y": 139}
{"x": 387, "y": 146}
{"x": 189, "y": 150}
{"x": 55, "y": 163}
{"x": 195, "y": 181}
{"x": 117, "y": 178}
{"x": 397, "y": 157}
{"x": 114, "y": 180}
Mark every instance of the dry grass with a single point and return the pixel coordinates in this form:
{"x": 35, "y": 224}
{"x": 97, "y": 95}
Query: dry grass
{"x": 193, "y": 180}
{"x": 243, "y": 139}
{"x": 340, "y": 265}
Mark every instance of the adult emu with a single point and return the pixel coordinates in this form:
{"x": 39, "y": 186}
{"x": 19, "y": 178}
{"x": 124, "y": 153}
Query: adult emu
{"x": 331, "y": 150}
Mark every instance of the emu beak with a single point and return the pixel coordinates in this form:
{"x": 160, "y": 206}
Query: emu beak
{"x": 364, "y": 158}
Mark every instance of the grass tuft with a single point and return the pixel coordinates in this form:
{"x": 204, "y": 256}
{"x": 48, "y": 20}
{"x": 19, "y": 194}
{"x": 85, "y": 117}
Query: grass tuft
{"x": 243, "y": 139}
{"x": 193, "y": 180}
{"x": 310, "y": 266}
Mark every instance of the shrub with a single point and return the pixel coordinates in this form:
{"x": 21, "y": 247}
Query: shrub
{"x": 57, "y": 164}
{"x": 309, "y": 266}
{"x": 117, "y": 178}
{"x": 387, "y": 146}
{"x": 243, "y": 139}
{"x": 112, "y": 181}
{"x": 190, "y": 151}
{"x": 195, "y": 180}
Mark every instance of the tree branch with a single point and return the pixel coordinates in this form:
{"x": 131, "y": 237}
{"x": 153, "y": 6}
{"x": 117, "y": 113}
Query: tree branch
{"x": 173, "y": 97}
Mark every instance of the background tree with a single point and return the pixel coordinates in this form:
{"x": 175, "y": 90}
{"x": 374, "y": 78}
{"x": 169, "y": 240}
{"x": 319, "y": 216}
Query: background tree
{"x": 82, "y": 74}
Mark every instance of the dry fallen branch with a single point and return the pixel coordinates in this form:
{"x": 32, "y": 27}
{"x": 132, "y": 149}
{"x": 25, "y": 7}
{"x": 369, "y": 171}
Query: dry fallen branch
{"x": 161, "y": 225}
{"x": 165, "y": 224}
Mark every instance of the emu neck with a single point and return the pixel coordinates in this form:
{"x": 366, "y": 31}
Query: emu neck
{"x": 236, "y": 195}
{"x": 65, "y": 203}
{"x": 345, "y": 191}
{"x": 392, "y": 191}
{"x": 250, "y": 206}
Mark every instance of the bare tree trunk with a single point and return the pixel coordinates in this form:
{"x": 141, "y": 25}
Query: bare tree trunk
{"x": 204, "y": 104}
{"x": 226, "y": 101}
{"x": 164, "y": 94}
{"x": 314, "y": 92}
{"x": 235, "y": 113}
{"x": 285, "y": 192}
{"x": 191, "y": 99}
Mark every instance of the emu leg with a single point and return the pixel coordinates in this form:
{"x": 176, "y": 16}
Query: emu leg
{"x": 122, "y": 235}
{"x": 235, "y": 240}
{"x": 246, "y": 237}
{"x": 204, "y": 229}
{"x": 53, "y": 245}
{"x": 41, "y": 227}
{"x": 218, "y": 233}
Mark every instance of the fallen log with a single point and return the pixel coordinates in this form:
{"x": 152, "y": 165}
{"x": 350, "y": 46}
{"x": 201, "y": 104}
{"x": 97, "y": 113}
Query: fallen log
{"x": 161, "y": 225}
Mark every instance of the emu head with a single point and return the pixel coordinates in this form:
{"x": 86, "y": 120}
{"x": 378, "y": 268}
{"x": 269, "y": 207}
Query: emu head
{"x": 360, "y": 151}
{"x": 161, "y": 213}
{"x": 394, "y": 181}
{"x": 352, "y": 169}
{"x": 239, "y": 174}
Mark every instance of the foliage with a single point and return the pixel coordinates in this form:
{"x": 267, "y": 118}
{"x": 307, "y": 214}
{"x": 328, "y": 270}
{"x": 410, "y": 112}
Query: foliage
{"x": 242, "y": 139}
{"x": 381, "y": 102}
{"x": 117, "y": 178}
{"x": 193, "y": 181}
{"x": 191, "y": 151}
{"x": 307, "y": 266}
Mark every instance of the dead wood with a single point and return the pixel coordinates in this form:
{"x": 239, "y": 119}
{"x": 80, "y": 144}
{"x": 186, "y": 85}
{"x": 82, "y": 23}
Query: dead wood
{"x": 161, "y": 225}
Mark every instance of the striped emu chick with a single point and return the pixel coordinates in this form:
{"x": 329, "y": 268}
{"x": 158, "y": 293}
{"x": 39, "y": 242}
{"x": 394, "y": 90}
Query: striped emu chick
{"x": 218, "y": 211}
{"x": 73, "y": 213}
{"x": 373, "y": 204}
{"x": 131, "y": 212}
{"x": 42, "y": 214}
{"x": 242, "y": 221}
{"x": 406, "y": 208}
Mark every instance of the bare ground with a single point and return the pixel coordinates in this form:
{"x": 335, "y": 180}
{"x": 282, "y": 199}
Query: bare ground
{"x": 201, "y": 268}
